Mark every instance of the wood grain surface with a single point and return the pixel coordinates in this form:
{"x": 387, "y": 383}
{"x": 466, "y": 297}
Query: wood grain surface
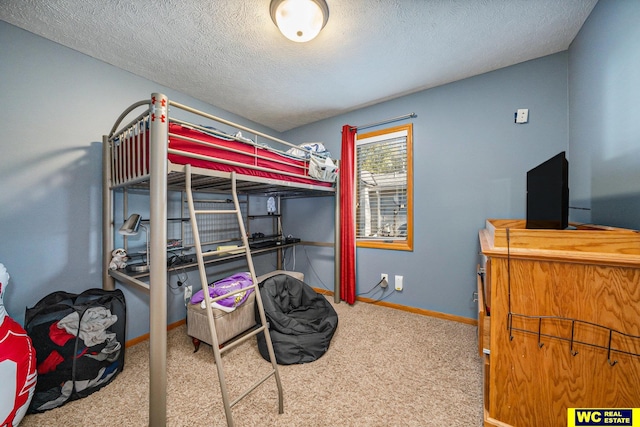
{"x": 537, "y": 370}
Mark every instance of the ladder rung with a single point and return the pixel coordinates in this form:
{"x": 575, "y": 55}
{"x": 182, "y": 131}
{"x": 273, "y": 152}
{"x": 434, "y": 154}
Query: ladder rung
{"x": 238, "y": 249}
{"x": 253, "y": 387}
{"x": 242, "y": 339}
{"x": 222, "y": 212}
{"x": 231, "y": 293}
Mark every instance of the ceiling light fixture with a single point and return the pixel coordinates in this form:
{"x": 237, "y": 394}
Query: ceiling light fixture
{"x": 299, "y": 20}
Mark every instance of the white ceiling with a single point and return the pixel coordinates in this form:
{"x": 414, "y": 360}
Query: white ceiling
{"x": 229, "y": 53}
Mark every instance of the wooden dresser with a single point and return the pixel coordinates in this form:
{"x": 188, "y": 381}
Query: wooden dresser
{"x": 559, "y": 321}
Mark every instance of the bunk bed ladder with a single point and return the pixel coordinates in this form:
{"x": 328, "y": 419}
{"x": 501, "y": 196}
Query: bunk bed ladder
{"x": 263, "y": 327}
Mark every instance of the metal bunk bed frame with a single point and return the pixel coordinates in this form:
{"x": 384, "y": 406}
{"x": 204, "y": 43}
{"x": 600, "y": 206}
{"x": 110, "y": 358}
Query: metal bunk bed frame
{"x": 160, "y": 177}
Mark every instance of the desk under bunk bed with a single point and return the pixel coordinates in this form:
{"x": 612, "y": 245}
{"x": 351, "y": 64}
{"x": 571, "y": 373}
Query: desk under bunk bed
{"x": 159, "y": 152}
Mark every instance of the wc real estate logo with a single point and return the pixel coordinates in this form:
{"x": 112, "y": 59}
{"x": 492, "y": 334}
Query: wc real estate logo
{"x": 577, "y": 417}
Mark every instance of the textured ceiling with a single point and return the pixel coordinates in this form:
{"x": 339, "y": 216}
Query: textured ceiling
{"x": 230, "y": 54}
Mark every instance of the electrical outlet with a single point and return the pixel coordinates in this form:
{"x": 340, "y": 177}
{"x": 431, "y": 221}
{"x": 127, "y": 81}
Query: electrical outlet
{"x": 522, "y": 115}
{"x": 384, "y": 280}
{"x": 399, "y": 283}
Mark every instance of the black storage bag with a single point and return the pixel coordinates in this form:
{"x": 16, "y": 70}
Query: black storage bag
{"x": 80, "y": 344}
{"x": 301, "y": 321}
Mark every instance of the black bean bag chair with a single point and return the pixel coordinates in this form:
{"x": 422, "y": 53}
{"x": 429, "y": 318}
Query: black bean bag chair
{"x": 301, "y": 321}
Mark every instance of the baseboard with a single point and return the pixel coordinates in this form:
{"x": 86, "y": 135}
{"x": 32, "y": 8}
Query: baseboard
{"x": 145, "y": 337}
{"x": 421, "y": 311}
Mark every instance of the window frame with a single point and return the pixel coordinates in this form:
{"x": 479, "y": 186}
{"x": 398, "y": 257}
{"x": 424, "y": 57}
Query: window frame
{"x": 390, "y": 243}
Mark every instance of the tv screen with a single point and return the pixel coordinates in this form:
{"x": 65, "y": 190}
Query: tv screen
{"x": 548, "y": 194}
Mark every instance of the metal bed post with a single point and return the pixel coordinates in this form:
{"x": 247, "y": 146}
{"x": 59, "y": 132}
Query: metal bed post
{"x": 128, "y": 163}
{"x": 158, "y": 136}
{"x": 108, "y": 282}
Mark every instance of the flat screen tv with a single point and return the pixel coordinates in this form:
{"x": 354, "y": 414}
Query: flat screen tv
{"x": 548, "y": 194}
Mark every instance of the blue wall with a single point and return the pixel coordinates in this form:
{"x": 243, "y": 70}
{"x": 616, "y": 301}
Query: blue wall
{"x": 470, "y": 158}
{"x": 56, "y": 104}
{"x": 604, "y": 102}
{"x": 470, "y": 162}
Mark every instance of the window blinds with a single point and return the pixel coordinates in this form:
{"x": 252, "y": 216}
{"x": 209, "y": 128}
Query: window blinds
{"x": 381, "y": 174}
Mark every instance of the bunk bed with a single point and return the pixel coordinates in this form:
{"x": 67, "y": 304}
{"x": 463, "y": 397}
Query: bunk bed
{"x": 172, "y": 147}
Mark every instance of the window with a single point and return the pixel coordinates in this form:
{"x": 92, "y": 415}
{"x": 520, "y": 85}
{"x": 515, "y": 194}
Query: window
{"x": 384, "y": 189}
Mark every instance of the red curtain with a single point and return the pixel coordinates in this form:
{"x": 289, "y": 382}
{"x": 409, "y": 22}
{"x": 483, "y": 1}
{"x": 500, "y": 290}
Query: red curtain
{"x": 347, "y": 217}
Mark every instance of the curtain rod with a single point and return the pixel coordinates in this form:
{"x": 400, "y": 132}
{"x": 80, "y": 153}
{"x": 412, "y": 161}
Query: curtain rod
{"x": 384, "y": 122}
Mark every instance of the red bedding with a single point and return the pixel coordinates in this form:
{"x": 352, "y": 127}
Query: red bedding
{"x": 244, "y": 153}
{"x": 219, "y": 150}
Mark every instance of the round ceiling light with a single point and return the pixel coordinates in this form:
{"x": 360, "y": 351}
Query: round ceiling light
{"x": 300, "y": 20}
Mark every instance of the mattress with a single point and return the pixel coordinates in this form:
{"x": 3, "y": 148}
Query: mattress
{"x": 187, "y": 145}
{"x": 229, "y": 155}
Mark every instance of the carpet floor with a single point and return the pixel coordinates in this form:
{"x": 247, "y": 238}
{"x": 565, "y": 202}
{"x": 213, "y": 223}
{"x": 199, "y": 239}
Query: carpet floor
{"x": 385, "y": 367}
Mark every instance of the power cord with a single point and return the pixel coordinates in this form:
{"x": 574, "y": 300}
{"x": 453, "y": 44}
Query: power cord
{"x": 382, "y": 296}
{"x": 375, "y": 286}
{"x": 393, "y": 291}
{"x": 284, "y": 258}
{"x": 182, "y": 283}
{"x": 314, "y": 270}
{"x": 380, "y": 284}
{"x": 183, "y": 277}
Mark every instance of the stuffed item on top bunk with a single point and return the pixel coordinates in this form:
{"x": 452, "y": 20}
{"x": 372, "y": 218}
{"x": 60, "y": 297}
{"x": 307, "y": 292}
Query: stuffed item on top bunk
{"x": 301, "y": 321}
{"x": 322, "y": 168}
{"x": 306, "y": 148}
{"x": 320, "y": 164}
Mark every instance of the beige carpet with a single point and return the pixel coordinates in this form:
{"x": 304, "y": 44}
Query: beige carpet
{"x": 385, "y": 367}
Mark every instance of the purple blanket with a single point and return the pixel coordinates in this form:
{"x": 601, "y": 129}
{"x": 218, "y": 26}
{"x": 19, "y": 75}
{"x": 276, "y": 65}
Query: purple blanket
{"x": 226, "y": 285}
